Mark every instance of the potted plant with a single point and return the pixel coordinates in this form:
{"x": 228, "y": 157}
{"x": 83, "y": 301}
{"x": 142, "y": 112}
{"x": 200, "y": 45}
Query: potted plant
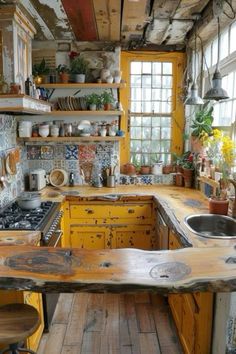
{"x": 188, "y": 170}
{"x": 40, "y": 72}
{"x": 220, "y": 149}
{"x": 157, "y": 164}
{"x": 201, "y": 127}
{"x": 107, "y": 100}
{"x": 63, "y": 72}
{"x": 79, "y": 68}
{"x": 93, "y": 101}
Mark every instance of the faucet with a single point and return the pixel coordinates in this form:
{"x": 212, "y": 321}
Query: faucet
{"x": 234, "y": 202}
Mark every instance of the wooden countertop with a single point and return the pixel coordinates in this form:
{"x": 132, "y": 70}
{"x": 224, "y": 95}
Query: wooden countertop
{"x": 20, "y": 238}
{"x": 204, "y": 267}
{"x": 174, "y": 203}
{"x": 118, "y": 270}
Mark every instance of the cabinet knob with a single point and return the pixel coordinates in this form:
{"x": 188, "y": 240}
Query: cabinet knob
{"x": 131, "y": 211}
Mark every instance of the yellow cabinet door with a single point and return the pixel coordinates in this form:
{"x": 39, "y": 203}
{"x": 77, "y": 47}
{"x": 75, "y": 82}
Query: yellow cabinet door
{"x": 188, "y": 330}
{"x": 175, "y": 302}
{"x": 89, "y": 237}
{"x": 135, "y": 236}
{"x": 35, "y": 300}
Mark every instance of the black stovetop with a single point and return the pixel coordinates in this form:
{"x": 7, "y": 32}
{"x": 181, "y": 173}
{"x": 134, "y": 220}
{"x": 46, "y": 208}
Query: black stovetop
{"x": 13, "y": 217}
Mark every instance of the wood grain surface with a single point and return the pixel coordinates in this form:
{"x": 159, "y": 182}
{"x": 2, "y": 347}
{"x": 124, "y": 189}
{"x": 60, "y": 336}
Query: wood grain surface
{"x": 118, "y": 270}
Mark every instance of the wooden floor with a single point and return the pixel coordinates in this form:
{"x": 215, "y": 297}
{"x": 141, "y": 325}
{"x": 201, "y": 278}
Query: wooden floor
{"x": 111, "y": 324}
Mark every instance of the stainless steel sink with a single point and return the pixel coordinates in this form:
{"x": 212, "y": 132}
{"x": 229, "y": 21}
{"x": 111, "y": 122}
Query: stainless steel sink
{"x": 211, "y": 225}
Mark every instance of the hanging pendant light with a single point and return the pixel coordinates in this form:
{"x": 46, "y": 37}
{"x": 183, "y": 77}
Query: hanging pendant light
{"x": 194, "y": 98}
{"x": 217, "y": 92}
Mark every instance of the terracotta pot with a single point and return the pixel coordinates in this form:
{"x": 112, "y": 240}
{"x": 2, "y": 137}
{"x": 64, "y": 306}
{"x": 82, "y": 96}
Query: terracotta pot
{"x": 179, "y": 169}
{"x": 129, "y": 169}
{"x": 196, "y": 145}
{"x": 167, "y": 169}
{"x": 188, "y": 177}
{"x": 107, "y": 106}
{"x": 145, "y": 170}
{"x": 217, "y": 206}
{"x": 179, "y": 180}
{"x": 64, "y": 78}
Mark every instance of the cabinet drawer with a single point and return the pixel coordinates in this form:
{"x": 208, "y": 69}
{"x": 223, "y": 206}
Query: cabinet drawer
{"x": 116, "y": 212}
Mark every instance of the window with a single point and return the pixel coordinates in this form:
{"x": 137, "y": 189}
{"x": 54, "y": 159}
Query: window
{"x": 150, "y": 105}
{"x": 224, "y": 111}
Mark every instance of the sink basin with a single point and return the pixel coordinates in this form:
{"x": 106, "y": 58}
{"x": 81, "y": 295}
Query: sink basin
{"x": 211, "y": 225}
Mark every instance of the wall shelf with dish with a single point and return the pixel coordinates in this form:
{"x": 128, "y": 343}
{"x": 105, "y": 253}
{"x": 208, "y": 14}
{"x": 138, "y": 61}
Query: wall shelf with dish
{"x": 23, "y": 104}
{"x": 70, "y": 139}
{"x": 86, "y": 113}
{"x": 84, "y": 85}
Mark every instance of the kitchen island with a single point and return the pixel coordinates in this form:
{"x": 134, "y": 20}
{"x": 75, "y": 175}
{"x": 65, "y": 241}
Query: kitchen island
{"x": 203, "y": 264}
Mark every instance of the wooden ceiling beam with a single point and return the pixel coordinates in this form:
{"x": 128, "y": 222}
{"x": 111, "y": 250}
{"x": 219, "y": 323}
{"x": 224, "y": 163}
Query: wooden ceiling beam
{"x": 81, "y": 16}
{"x": 134, "y": 18}
{"x": 108, "y": 18}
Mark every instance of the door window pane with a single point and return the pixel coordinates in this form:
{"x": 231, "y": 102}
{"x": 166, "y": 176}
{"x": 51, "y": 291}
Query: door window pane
{"x": 151, "y": 93}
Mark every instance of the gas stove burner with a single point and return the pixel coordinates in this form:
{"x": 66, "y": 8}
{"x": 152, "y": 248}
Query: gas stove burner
{"x": 14, "y": 218}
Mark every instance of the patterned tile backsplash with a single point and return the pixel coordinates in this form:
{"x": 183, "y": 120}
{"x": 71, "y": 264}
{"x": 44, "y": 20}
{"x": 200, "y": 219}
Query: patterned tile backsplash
{"x": 13, "y": 184}
{"x": 77, "y": 158}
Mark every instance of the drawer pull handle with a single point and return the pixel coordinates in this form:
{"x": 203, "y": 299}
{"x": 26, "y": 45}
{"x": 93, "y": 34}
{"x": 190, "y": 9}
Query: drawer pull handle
{"x": 131, "y": 211}
{"x": 90, "y": 211}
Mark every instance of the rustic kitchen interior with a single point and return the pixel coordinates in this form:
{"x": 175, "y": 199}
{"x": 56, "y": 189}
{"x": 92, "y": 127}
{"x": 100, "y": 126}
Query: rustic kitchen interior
{"x": 117, "y": 148}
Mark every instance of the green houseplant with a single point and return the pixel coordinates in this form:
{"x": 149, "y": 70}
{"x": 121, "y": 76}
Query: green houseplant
{"x": 93, "y": 101}
{"x": 40, "y": 72}
{"x": 63, "y": 72}
{"x": 79, "y": 68}
{"x": 201, "y": 127}
{"x": 107, "y": 100}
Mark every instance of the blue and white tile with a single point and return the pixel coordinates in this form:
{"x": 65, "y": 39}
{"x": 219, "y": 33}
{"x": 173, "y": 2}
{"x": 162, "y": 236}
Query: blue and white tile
{"x": 71, "y": 152}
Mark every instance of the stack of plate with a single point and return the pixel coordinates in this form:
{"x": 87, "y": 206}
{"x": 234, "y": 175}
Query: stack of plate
{"x": 70, "y": 103}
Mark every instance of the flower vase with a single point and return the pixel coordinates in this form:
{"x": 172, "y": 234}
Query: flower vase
{"x": 218, "y": 206}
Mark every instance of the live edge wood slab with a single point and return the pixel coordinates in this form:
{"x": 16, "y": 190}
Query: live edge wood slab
{"x": 119, "y": 270}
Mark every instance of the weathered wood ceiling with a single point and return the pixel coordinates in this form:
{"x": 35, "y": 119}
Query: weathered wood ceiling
{"x": 133, "y": 23}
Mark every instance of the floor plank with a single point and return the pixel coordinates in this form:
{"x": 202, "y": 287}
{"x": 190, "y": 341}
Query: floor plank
{"x": 55, "y": 339}
{"x": 63, "y": 308}
{"x": 111, "y": 324}
{"x": 149, "y": 343}
{"x": 75, "y": 328}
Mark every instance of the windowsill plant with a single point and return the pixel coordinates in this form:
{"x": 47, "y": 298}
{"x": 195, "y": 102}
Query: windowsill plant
{"x": 220, "y": 151}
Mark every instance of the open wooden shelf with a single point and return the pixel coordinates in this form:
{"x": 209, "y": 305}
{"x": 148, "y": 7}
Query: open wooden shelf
{"x": 85, "y": 113}
{"x": 23, "y": 104}
{"x": 70, "y": 139}
{"x": 86, "y": 85}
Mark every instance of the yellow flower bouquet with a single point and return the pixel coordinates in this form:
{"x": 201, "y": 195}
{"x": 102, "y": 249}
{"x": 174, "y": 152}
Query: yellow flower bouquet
{"x": 221, "y": 150}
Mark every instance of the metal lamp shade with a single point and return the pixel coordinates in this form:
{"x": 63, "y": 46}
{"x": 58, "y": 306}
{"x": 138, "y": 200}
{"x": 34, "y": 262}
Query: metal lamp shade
{"x": 193, "y": 98}
{"x": 216, "y": 92}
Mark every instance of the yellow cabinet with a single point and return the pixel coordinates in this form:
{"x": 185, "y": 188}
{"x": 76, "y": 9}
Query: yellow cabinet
{"x": 192, "y": 314}
{"x": 30, "y": 298}
{"x": 90, "y": 237}
{"x": 35, "y": 300}
{"x": 98, "y": 225}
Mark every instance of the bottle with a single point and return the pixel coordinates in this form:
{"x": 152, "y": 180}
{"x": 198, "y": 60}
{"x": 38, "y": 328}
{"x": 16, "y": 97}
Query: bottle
{"x": 71, "y": 180}
{"x": 62, "y": 130}
{"x": 27, "y": 86}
